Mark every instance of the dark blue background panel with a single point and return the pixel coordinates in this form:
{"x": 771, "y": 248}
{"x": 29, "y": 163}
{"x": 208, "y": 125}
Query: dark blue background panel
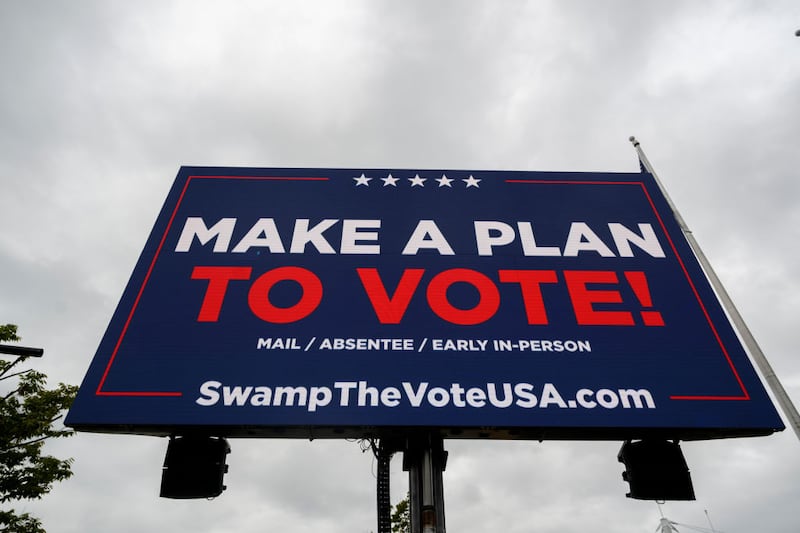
{"x": 335, "y": 302}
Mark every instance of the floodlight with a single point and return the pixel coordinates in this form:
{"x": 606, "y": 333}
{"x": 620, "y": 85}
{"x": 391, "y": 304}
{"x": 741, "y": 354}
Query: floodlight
{"x": 656, "y": 470}
{"x": 194, "y": 467}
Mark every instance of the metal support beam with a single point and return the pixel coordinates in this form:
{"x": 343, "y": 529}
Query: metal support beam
{"x": 383, "y": 456}
{"x": 21, "y": 351}
{"x": 425, "y": 459}
{"x": 789, "y": 410}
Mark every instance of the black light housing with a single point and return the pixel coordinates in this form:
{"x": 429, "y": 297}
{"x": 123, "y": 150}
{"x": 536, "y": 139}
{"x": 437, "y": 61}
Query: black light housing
{"x": 194, "y": 467}
{"x": 656, "y": 470}
{"x": 21, "y": 351}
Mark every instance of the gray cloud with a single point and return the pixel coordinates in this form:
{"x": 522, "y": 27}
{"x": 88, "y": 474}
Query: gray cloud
{"x": 101, "y": 102}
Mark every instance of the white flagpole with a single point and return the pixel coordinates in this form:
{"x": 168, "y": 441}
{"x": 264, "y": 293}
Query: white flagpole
{"x": 789, "y": 410}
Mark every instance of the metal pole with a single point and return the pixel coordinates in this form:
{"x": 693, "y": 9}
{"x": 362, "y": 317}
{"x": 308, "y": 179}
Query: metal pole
{"x": 412, "y": 463}
{"x": 21, "y": 351}
{"x": 709, "y": 522}
{"x": 427, "y": 493}
{"x": 384, "y": 457}
{"x": 425, "y": 459}
{"x": 789, "y": 410}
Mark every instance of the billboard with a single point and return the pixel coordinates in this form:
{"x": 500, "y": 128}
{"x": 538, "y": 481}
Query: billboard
{"x": 351, "y": 302}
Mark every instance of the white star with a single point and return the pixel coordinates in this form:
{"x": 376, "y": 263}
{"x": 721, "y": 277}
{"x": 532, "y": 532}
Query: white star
{"x": 362, "y": 180}
{"x": 389, "y": 180}
{"x": 471, "y": 182}
{"x": 444, "y": 181}
{"x": 416, "y": 180}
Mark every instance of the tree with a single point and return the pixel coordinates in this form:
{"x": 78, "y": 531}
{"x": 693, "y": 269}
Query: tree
{"x": 29, "y": 413}
{"x": 401, "y": 516}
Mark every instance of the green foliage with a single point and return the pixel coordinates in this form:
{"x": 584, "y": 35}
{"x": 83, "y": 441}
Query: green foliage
{"x": 29, "y": 415}
{"x": 23, "y": 523}
{"x": 8, "y": 332}
{"x": 401, "y": 516}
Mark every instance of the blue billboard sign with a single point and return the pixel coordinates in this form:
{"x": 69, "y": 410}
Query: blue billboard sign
{"x": 342, "y": 302}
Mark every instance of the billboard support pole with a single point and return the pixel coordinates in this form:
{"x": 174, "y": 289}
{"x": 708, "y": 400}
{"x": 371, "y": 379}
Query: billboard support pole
{"x": 425, "y": 459}
{"x": 383, "y": 450}
{"x": 789, "y": 410}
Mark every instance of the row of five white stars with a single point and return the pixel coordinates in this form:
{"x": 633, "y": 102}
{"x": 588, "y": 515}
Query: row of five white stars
{"x": 417, "y": 181}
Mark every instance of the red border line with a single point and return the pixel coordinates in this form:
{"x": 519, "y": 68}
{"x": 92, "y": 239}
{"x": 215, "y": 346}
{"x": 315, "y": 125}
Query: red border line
{"x": 746, "y": 395}
{"x": 258, "y": 178}
{"x": 99, "y": 391}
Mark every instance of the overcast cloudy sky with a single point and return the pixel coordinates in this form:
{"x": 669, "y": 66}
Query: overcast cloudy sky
{"x": 102, "y": 101}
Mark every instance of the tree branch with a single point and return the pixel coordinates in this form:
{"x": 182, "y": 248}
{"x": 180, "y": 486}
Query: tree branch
{"x": 3, "y": 376}
{"x": 34, "y": 441}
{"x": 10, "y": 394}
{"x": 12, "y": 365}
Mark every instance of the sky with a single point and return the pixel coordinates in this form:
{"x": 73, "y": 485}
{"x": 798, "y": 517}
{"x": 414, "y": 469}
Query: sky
{"x": 101, "y": 102}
